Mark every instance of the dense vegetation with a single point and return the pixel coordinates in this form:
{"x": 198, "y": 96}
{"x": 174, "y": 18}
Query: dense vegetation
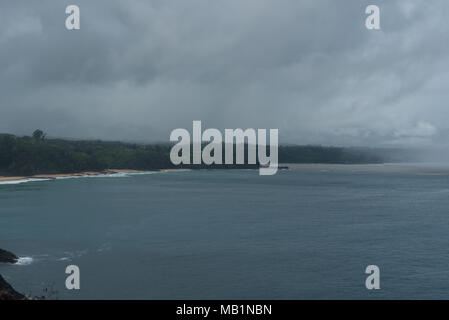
{"x": 33, "y": 155}
{"x": 318, "y": 154}
{"x": 36, "y": 154}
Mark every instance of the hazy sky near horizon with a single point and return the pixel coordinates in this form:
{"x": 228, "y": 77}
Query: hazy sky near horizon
{"x": 138, "y": 69}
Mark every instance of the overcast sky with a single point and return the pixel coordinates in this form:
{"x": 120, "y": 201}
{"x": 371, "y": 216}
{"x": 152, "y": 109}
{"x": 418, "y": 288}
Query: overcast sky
{"x": 138, "y": 69}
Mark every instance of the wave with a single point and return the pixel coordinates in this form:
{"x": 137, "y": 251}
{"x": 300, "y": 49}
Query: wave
{"x": 70, "y": 255}
{"x": 59, "y": 256}
{"x": 19, "y": 181}
{"x": 105, "y": 175}
{"x": 109, "y": 175}
{"x": 23, "y": 261}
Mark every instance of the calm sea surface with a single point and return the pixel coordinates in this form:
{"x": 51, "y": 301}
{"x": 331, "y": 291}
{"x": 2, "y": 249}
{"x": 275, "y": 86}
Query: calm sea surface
{"x": 301, "y": 234}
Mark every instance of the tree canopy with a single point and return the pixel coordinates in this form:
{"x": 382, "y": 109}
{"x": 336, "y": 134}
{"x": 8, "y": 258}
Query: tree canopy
{"x": 23, "y": 156}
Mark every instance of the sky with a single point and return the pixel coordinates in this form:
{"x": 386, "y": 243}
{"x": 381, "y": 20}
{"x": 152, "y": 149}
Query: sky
{"x": 136, "y": 70}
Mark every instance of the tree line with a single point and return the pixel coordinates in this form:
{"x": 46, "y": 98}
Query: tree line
{"x": 37, "y": 154}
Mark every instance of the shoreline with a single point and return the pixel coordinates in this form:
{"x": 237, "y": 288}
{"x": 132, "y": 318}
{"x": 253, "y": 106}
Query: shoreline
{"x": 401, "y": 168}
{"x": 7, "y": 292}
{"x": 68, "y": 175}
{"x": 52, "y": 176}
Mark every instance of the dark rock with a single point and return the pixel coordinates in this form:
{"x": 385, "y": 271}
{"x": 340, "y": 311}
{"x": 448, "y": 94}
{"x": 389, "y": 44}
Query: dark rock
{"x": 8, "y": 293}
{"x": 7, "y": 257}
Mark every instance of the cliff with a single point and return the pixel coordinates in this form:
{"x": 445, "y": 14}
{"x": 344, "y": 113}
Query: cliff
{"x": 7, "y": 257}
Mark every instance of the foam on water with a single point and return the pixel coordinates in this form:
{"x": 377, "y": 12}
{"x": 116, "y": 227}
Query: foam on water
{"x": 23, "y": 261}
{"x": 142, "y": 173}
{"x": 111, "y": 175}
{"x": 117, "y": 174}
{"x": 19, "y": 181}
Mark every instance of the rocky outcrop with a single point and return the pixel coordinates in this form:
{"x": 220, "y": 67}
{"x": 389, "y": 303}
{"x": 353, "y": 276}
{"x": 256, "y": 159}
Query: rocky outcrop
{"x": 8, "y": 293}
{"x": 7, "y": 257}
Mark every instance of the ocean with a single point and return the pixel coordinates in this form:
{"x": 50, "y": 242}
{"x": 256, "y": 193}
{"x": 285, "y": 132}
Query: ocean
{"x": 305, "y": 233}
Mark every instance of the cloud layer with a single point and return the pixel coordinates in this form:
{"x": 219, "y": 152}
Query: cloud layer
{"x": 138, "y": 69}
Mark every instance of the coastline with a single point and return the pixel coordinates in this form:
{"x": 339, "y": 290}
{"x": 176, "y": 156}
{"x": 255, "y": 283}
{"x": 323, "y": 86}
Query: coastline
{"x": 7, "y": 292}
{"x": 401, "y": 168}
{"x": 68, "y": 175}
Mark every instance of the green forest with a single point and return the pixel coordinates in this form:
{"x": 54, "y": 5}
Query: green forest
{"x": 36, "y": 154}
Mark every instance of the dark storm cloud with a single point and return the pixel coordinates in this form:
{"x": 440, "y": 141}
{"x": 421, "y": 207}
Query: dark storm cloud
{"x": 138, "y": 69}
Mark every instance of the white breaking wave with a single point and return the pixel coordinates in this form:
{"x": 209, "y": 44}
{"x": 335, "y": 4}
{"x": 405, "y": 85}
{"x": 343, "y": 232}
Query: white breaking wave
{"x": 19, "y": 181}
{"x": 108, "y": 175}
{"x": 23, "y": 261}
{"x": 64, "y": 259}
{"x": 141, "y": 173}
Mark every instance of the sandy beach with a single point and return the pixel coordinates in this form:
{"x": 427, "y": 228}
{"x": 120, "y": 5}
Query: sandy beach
{"x": 65, "y": 175}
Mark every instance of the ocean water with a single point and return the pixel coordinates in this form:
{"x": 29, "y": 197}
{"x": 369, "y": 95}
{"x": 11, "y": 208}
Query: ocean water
{"x": 231, "y": 234}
